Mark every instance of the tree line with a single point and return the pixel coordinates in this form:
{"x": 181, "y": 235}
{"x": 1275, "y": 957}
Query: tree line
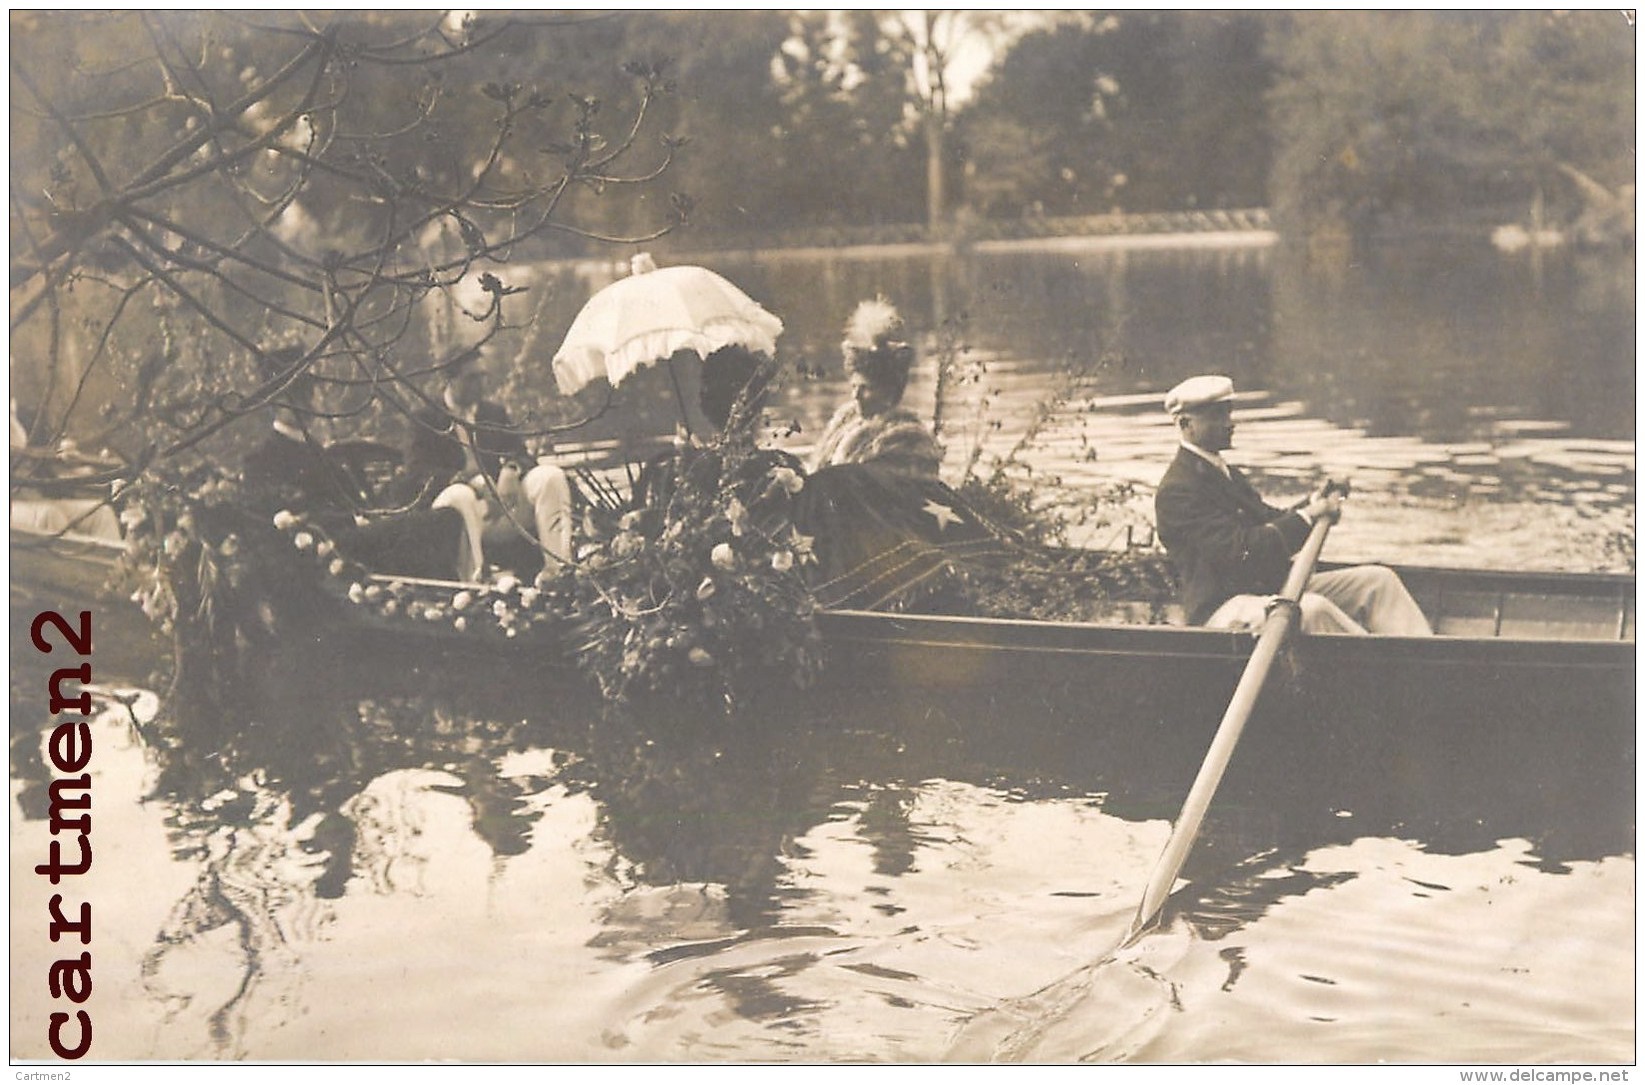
{"x": 1357, "y": 121}
{"x": 209, "y": 185}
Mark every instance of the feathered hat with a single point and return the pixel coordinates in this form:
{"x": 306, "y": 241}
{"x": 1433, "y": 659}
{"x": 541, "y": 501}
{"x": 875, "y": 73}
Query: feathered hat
{"x": 874, "y": 345}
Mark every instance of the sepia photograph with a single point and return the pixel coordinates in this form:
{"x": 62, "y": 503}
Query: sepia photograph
{"x": 925, "y": 538}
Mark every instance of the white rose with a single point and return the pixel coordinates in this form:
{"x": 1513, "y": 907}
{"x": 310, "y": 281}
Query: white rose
{"x": 788, "y": 479}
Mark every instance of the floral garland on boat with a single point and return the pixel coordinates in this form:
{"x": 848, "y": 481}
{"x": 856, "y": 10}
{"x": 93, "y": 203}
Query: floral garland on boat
{"x": 699, "y": 598}
{"x": 502, "y": 609}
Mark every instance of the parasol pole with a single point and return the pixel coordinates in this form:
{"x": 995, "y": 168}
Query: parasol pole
{"x": 679, "y": 396}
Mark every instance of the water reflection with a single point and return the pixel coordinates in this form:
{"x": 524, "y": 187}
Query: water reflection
{"x": 369, "y": 856}
{"x": 799, "y": 885}
{"x": 231, "y": 951}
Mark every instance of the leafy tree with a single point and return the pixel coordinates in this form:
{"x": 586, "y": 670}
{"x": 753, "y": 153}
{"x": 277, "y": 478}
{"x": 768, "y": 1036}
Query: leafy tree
{"x": 190, "y": 190}
{"x": 845, "y": 124}
{"x": 1130, "y": 110}
{"x": 1387, "y": 116}
{"x": 1037, "y": 136}
{"x": 932, "y": 39}
{"x": 725, "y": 102}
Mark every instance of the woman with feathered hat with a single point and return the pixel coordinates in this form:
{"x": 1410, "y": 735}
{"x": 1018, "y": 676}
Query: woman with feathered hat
{"x": 871, "y": 428}
{"x": 887, "y": 529}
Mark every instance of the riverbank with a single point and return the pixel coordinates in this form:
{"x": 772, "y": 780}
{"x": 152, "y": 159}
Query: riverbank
{"x": 1169, "y": 229}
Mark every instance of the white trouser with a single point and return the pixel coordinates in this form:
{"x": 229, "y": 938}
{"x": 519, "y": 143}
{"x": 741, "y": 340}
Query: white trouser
{"x": 548, "y": 493}
{"x": 1359, "y": 599}
{"x": 543, "y": 501}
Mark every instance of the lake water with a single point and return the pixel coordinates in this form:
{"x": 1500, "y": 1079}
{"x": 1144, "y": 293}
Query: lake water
{"x": 451, "y": 863}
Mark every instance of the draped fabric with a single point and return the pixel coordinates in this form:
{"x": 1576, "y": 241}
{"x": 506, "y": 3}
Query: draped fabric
{"x": 327, "y": 485}
{"x": 883, "y": 539}
{"x": 301, "y": 477}
{"x": 896, "y": 440}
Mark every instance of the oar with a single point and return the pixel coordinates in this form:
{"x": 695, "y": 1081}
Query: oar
{"x": 1281, "y": 616}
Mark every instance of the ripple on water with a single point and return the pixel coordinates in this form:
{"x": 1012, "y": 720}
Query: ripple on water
{"x": 999, "y": 899}
{"x": 1420, "y": 958}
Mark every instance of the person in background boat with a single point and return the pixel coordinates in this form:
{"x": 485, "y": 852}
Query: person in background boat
{"x": 50, "y": 493}
{"x": 1233, "y": 550}
{"x": 465, "y": 456}
{"x": 295, "y": 470}
{"x": 872, "y": 428}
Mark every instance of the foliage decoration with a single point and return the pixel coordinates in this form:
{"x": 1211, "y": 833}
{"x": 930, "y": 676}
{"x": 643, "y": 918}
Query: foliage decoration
{"x": 700, "y": 595}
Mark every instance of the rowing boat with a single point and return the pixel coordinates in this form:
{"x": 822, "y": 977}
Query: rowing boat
{"x": 1557, "y": 643}
{"x": 1527, "y": 696}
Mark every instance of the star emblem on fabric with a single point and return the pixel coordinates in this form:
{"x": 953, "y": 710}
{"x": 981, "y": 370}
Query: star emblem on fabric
{"x": 942, "y": 514}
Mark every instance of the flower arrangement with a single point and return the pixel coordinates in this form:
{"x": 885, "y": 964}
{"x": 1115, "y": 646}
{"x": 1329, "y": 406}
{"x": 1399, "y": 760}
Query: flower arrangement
{"x": 697, "y": 596}
{"x": 700, "y": 595}
{"x": 184, "y": 560}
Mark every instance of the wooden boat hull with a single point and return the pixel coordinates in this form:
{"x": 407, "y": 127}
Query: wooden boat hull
{"x": 1552, "y": 649}
{"x": 1487, "y": 734}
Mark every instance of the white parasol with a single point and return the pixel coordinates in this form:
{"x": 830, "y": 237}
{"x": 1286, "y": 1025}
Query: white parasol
{"x": 654, "y": 313}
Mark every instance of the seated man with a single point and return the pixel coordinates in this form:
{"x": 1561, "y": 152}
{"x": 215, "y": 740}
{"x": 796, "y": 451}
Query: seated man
{"x": 1233, "y": 550}
{"x": 464, "y": 456}
{"x": 290, "y": 468}
{"x": 294, "y": 469}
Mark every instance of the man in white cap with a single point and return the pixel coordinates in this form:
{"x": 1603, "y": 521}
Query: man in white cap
{"x": 1232, "y": 549}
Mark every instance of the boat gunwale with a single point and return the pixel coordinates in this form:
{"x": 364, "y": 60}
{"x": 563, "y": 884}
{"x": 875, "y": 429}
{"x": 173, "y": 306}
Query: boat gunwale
{"x": 1096, "y": 639}
{"x": 1185, "y": 641}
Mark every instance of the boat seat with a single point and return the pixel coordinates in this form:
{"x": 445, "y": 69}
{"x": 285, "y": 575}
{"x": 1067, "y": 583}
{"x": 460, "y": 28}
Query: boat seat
{"x": 1537, "y": 616}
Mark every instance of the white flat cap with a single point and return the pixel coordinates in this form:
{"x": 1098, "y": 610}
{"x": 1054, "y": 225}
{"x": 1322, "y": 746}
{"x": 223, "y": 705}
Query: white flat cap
{"x": 1196, "y": 392}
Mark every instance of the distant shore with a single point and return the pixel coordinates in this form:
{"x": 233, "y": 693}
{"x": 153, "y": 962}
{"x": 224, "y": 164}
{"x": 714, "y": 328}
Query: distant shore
{"x": 1236, "y": 229}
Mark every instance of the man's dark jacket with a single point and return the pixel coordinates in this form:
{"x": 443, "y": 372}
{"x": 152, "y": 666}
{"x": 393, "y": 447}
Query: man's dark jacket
{"x": 1223, "y": 538}
{"x": 436, "y": 456}
{"x": 282, "y": 473}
